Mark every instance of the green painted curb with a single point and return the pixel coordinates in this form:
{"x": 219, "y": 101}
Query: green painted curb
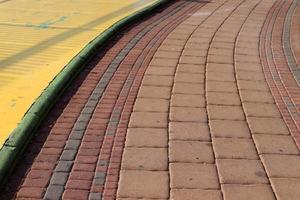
{"x": 21, "y": 136}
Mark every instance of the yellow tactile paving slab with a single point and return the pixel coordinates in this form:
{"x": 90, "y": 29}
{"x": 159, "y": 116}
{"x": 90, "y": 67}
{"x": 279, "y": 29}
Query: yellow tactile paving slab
{"x": 39, "y": 37}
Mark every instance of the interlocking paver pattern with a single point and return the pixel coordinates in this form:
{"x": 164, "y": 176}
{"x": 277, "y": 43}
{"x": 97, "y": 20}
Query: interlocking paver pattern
{"x": 195, "y": 102}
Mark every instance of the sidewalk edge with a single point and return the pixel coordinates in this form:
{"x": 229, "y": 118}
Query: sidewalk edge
{"x": 22, "y": 134}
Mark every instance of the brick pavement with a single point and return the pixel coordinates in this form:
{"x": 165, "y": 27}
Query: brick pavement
{"x": 198, "y": 101}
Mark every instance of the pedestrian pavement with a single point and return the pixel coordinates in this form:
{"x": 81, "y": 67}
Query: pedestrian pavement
{"x": 39, "y": 38}
{"x": 200, "y": 100}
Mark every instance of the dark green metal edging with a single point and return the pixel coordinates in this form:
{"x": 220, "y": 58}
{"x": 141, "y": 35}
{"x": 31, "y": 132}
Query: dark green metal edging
{"x": 21, "y": 136}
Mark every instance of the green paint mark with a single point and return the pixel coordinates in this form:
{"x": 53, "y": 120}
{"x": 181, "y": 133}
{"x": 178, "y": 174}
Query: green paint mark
{"x": 46, "y": 24}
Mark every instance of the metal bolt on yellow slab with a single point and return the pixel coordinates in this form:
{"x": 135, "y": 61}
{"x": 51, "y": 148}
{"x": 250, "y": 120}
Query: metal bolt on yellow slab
{"x": 38, "y": 38}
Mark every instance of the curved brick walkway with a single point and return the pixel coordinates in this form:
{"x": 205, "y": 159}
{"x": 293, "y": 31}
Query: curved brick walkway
{"x": 295, "y": 33}
{"x": 198, "y": 101}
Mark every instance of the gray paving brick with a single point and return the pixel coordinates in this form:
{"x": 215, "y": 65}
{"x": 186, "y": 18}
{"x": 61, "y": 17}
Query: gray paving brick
{"x": 100, "y": 85}
{"x": 118, "y": 110}
{"x": 102, "y": 163}
{"x": 110, "y": 132}
{"x": 95, "y": 196}
{"x": 140, "y": 35}
{"x": 84, "y": 118}
{"x": 99, "y": 93}
{"x": 113, "y": 69}
{"x": 76, "y": 134}
{"x": 99, "y": 89}
{"x": 64, "y": 166}
{"x": 99, "y": 175}
{"x": 123, "y": 53}
{"x": 109, "y": 73}
{"x": 54, "y": 192}
{"x": 92, "y": 103}
{"x": 135, "y": 40}
{"x": 147, "y": 29}
{"x": 78, "y": 126}
{"x": 99, "y": 181}
{"x": 114, "y": 123}
{"x": 292, "y": 63}
{"x": 121, "y": 56}
{"x": 131, "y": 44}
{"x": 114, "y": 119}
{"x": 72, "y": 144}
{"x": 87, "y": 110}
{"x": 128, "y": 48}
{"x": 94, "y": 97}
{"x": 68, "y": 155}
{"x": 118, "y": 59}
{"x": 59, "y": 178}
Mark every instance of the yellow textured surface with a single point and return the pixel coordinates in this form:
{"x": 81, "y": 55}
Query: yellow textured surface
{"x": 38, "y": 38}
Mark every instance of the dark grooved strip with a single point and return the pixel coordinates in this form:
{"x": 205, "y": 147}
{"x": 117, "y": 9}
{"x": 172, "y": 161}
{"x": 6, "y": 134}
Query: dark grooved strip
{"x": 286, "y": 40}
{"x": 80, "y": 126}
{"x": 99, "y": 177}
{"x": 112, "y": 170}
{"x": 279, "y": 91}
